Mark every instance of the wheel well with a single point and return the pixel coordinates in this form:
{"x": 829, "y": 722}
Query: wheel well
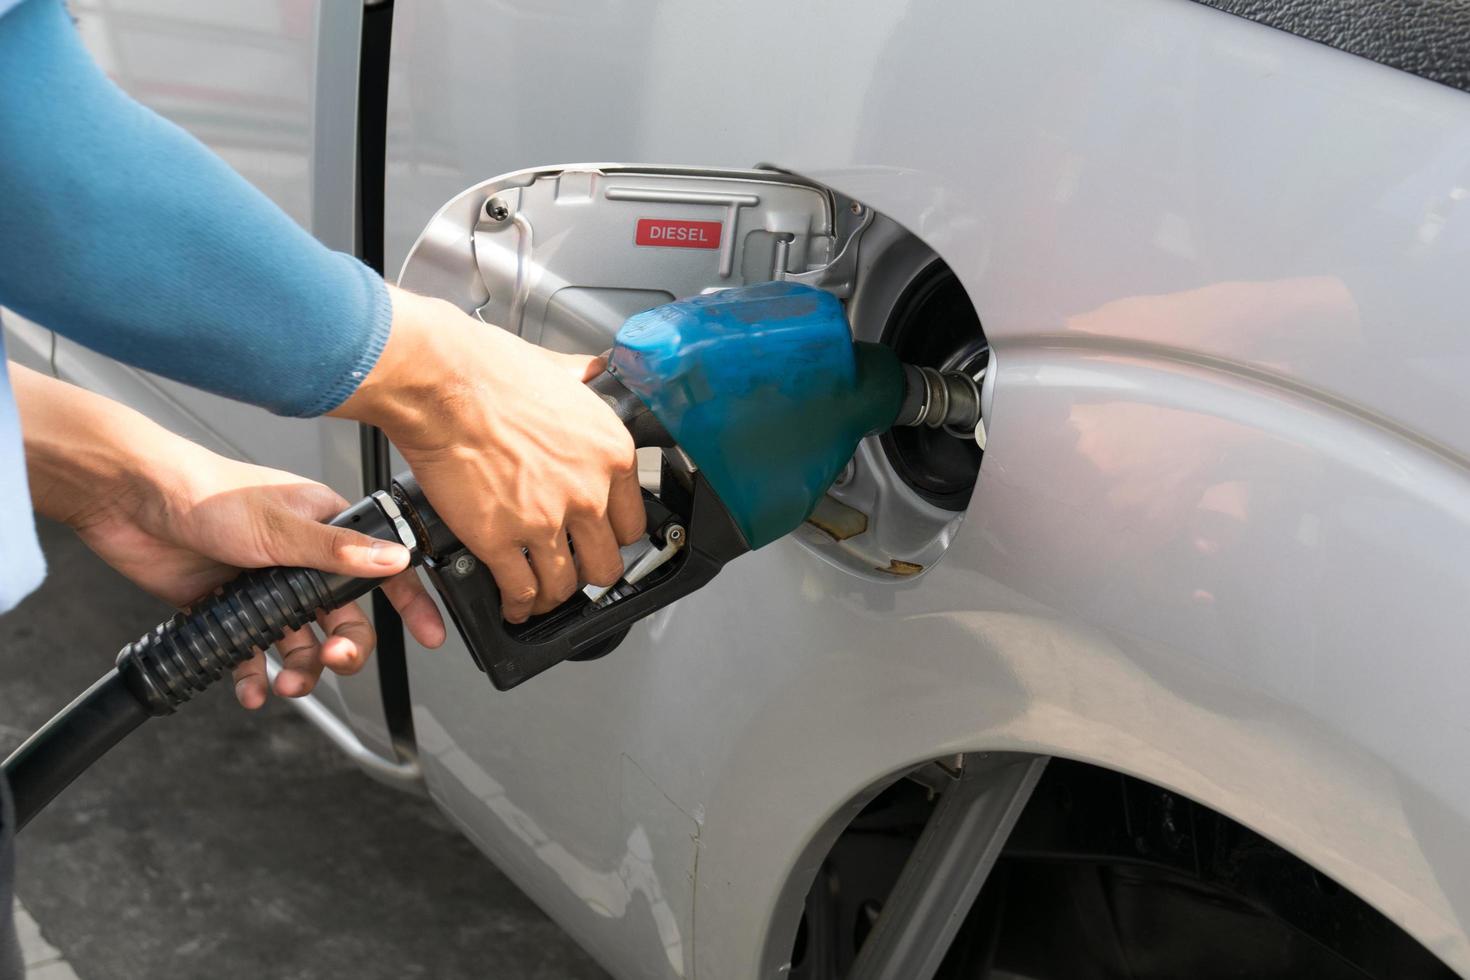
{"x": 1106, "y": 875}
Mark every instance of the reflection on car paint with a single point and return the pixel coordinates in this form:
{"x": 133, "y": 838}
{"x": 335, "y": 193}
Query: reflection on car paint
{"x": 607, "y": 893}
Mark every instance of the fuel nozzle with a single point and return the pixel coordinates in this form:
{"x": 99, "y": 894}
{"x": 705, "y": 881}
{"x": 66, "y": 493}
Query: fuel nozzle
{"x": 948, "y": 400}
{"x": 762, "y": 396}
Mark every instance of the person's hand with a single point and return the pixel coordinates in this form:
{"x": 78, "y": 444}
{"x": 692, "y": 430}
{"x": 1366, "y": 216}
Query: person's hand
{"x": 222, "y": 516}
{"x": 511, "y": 448}
{"x": 179, "y": 520}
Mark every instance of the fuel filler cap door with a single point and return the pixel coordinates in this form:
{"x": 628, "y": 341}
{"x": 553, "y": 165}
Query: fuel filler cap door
{"x": 562, "y": 256}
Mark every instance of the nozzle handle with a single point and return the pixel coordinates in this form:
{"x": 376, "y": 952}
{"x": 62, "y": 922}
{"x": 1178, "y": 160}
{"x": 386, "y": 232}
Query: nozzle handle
{"x": 643, "y": 425}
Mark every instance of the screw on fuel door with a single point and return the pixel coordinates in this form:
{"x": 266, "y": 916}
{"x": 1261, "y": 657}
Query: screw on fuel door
{"x": 497, "y": 210}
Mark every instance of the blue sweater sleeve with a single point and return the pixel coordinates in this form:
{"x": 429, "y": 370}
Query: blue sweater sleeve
{"x": 124, "y": 233}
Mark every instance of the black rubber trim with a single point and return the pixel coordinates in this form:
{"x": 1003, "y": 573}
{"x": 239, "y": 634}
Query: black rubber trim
{"x": 1428, "y": 38}
{"x": 377, "y": 474}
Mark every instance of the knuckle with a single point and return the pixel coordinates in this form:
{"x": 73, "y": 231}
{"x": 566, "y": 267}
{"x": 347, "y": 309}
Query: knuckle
{"x": 299, "y": 655}
{"x": 543, "y": 525}
{"x": 340, "y": 543}
{"x": 626, "y": 460}
{"x": 327, "y": 502}
{"x": 588, "y": 505}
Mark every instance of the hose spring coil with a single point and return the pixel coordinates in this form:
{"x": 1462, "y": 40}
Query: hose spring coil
{"x": 197, "y": 647}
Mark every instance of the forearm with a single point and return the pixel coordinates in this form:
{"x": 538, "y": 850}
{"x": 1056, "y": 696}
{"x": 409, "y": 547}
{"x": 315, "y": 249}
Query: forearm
{"x": 124, "y": 233}
{"x": 87, "y": 455}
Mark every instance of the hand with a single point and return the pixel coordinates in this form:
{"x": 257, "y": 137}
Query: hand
{"x": 223, "y": 516}
{"x": 511, "y": 448}
{"x": 179, "y": 520}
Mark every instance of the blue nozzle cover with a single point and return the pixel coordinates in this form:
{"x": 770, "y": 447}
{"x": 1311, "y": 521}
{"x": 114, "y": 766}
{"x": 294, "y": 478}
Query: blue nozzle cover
{"x": 766, "y": 391}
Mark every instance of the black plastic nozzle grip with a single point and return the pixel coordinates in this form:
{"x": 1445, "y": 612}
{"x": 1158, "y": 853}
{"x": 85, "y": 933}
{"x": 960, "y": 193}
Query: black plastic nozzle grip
{"x": 643, "y": 425}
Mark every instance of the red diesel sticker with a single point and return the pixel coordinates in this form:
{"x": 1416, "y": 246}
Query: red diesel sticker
{"x": 678, "y": 234}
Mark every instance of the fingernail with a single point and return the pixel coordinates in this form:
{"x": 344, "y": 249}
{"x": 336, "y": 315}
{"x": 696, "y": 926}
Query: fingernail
{"x": 344, "y": 650}
{"x": 386, "y": 553}
{"x": 244, "y": 693}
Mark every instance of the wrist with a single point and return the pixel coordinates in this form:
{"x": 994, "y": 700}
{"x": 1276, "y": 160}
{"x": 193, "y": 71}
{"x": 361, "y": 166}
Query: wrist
{"x": 421, "y": 373}
{"x": 81, "y": 478}
{"x": 88, "y": 458}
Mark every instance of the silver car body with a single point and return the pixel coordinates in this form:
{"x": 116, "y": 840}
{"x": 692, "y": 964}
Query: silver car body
{"x": 1219, "y": 536}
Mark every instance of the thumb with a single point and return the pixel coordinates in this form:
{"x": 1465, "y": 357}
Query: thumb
{"x": 593, "y": 366}
{"x": 302, "y": 541}
{"x": 583, "y": 367}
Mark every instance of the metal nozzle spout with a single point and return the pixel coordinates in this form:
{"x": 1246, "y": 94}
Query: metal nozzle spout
{"x": 948, "y": 400}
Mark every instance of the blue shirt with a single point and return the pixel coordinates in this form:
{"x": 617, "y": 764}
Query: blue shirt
{"x": 123, "y": 233}
{"x": 19, "y": 549}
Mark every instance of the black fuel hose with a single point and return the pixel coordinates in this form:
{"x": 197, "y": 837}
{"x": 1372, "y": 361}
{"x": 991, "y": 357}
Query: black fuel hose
{"x": 179, "y": 658}
{"x": 70, "y": 742}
